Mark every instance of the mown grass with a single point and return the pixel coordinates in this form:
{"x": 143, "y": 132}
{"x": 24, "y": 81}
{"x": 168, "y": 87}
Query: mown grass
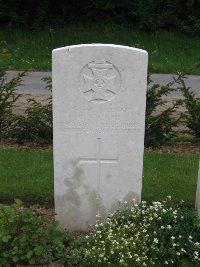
{"x": 170, "y": 175}
{"x": 28, "y": 175}
{"x": 31, "y": 50}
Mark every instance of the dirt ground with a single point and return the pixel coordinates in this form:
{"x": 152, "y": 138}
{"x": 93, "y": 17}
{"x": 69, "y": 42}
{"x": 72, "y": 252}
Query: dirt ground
{"x": 177, "y": 147}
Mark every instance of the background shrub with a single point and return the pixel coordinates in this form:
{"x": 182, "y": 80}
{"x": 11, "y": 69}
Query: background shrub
{"x": 36, "y": 125}
{"x": 192, "y": 104}
{"x": 159, "y": 127}
{"x": 8, "y": 97}
{"x": 145, "y": 15}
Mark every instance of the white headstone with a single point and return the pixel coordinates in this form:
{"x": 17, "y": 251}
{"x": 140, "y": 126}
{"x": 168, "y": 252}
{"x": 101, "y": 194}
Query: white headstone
{"x": 198, "y": 193}
{"x": 99, "y": 97}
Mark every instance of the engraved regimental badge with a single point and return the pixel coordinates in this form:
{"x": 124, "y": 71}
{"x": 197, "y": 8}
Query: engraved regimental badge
{"x": 99, "y": 81}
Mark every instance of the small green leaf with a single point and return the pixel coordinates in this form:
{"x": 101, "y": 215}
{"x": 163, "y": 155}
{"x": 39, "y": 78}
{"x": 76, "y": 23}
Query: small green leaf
{"x": 15, "y": 258}
{"x": 23, "y": 239}
{"x": 38, "y": 250}
{"x": 6, "y": 238}
{"x": 18, "y": 202}
{"x": 32, "y": 261}
{"x": 29, "y": 254}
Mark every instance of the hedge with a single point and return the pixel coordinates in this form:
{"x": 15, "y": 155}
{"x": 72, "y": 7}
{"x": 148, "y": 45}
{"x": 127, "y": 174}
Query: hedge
{"x": 146, "y": 15}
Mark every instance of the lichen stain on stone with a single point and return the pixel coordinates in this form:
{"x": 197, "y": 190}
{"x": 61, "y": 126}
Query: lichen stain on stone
{"x": 73, "y": 198}
{"x": 75, "y": 179}
{"x": 69, "y": 203}
{"x": 74, "y": 183}
{"x": 68, "y": 207}
{"x": 74, "y": 162}
{"x": 69, "y": 219}
{"x": 77, "y": 193}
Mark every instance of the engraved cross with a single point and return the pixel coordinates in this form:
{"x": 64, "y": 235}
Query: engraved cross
{"x": 99, "y": 161}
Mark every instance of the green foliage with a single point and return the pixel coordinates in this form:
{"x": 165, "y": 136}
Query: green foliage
{"x": 36, "y": 125}
{"x": 156, "y": 234}
{"x": 145, "y": 15}
{"x": 8, "y": 97}
{"x": 27, "y": 237}
{"x": 146, "y": 235}
{"x": 192, "y": 103}
{"x": 159, "y": 127}
{"x": 76, "y": 251}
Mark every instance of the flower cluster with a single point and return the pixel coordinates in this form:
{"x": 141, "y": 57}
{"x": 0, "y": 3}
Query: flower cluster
{"x": 145, "y": 235}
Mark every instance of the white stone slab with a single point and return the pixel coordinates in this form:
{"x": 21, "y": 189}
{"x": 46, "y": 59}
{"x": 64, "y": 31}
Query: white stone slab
{"x": 197, "y": 205}
{"x": 99, "y": 96}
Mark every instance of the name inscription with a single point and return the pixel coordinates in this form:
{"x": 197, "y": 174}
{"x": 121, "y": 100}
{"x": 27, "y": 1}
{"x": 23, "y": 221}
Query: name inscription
{"x": 102, "y": 120}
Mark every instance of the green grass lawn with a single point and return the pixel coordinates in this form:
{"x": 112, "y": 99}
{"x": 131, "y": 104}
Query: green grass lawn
{"x": 28, "y": 175}
{"x": 170, "y": 175}
{"x": 168, "y": 52}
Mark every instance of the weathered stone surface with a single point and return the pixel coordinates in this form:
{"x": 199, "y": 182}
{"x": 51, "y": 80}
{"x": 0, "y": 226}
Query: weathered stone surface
{"x": 198, "y": 193}
{"x": 99, "y": 96}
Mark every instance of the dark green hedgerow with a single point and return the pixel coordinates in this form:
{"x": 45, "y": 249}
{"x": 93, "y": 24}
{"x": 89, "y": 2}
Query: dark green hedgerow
{"x": 146, "y": 15}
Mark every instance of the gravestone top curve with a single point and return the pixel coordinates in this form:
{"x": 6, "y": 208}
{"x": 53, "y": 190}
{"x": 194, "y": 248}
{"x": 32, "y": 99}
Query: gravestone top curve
{"x": 70, "y": 47}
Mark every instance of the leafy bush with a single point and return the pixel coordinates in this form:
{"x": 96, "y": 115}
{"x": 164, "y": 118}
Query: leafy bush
{"x": 192, "y": 103}
{"x": 159, "y": 127}
{"x": 36, "y": 125}
{"x": 28, "y": 237}
{"x": 146, "y": 235}
{"x": 8, "y": 97}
